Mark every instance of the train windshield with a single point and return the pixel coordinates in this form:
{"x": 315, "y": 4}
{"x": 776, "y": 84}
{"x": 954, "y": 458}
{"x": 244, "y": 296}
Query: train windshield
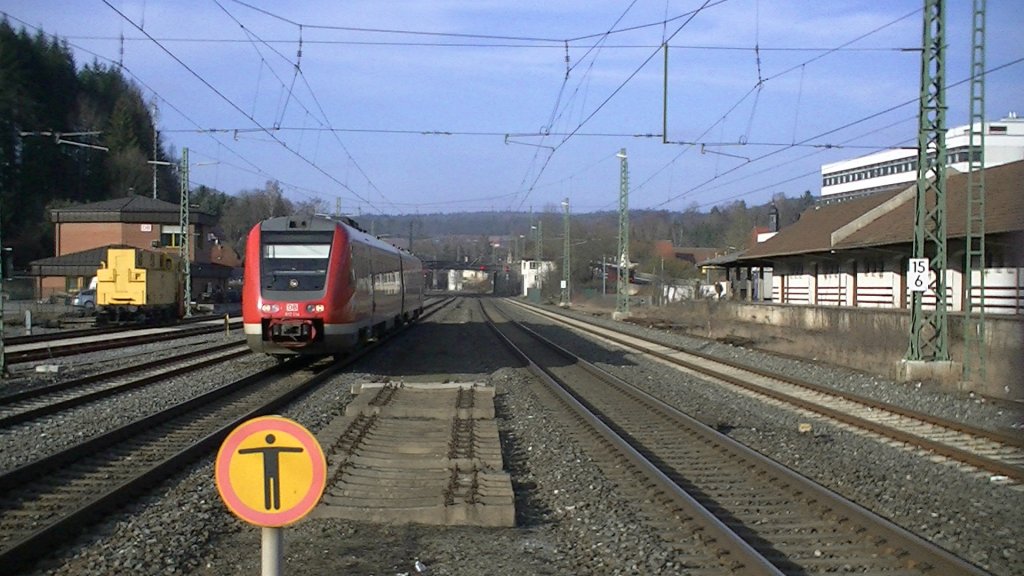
{"x": 299, "y": 264}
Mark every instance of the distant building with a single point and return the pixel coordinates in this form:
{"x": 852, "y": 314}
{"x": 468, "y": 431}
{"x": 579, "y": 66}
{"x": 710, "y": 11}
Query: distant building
{"x": 536, "y": 276}
{"x": 896, "y": 169}
{"x": 691, "y": 254}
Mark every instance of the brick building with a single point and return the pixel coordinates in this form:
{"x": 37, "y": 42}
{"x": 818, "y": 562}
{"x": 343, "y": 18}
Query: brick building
{"x": 84, "y": 232}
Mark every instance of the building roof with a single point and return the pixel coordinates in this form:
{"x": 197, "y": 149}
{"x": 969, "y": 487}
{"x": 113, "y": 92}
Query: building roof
{"x": 132, "y": 208}
{"x": 888, "y": 218}
{"x": 813, "y": 231}
{"x": 86, "y": 262}
{"x": 1004, "y": 210}
{"x": 725, "y": 259}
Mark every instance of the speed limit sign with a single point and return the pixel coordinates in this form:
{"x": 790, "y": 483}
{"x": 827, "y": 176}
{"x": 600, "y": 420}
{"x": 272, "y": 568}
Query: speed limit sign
{"x": 918, "y": 275}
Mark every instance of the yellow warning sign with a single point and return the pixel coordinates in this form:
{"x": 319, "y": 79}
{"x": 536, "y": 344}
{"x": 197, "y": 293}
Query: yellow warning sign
{"x": 270, "y": 471}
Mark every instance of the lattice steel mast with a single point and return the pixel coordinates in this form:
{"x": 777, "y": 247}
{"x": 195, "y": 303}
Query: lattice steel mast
{"x": 185, "y": 249}
{"x": 929, "y": 338}
{"x": 622, "y": 299}
{"x": 566, "y": 247}
{"x": 974, "y": 257}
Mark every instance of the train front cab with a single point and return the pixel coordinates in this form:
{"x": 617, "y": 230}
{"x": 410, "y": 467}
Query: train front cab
{"x": 296, "y": 294}
{"x": 321, "y": 287}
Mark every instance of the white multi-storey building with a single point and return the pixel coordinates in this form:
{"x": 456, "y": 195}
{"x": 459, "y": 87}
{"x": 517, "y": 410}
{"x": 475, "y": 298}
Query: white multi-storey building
{"x": 889, "y": 169}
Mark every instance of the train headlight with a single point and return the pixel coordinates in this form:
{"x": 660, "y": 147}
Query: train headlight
{"x": 270, "y": 308}
{"x": 314, "y": 307}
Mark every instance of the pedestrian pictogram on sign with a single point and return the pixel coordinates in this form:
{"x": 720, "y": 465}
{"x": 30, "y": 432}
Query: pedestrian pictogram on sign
{"x": 270, "y": 471}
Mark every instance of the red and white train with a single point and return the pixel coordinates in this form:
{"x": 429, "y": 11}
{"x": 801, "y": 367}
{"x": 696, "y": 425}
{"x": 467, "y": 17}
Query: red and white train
{"x": 320, "y": 286}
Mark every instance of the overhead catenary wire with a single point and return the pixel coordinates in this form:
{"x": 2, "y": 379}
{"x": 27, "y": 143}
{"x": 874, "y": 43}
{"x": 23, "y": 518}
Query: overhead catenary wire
{"x": 298, "y": 72}
{"x": 478, "y": 36}
{"x": 231, "y": 103}
{"x": 254, "y": 168}
{"x": 581, "y": 134}
{"x": 778, "y": 139}
{"x": 559, "y": 45}
{"x": 557, "y": 111}
{"x": 827, "y": 133}
{"x": 755, "y": 89}
{"x": 691, "y": 15}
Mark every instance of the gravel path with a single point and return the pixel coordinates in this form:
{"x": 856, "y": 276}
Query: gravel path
{"x": 571, "y": 518}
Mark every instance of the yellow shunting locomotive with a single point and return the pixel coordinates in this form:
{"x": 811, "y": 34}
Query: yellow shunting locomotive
{"x": 135, "y": 285}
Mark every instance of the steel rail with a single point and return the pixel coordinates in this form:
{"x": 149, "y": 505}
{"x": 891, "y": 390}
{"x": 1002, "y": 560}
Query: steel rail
{"x": 26, "y": 548}
{"x": 926, "y": 556}
{"x": 98, "y": 330}
{"x": 35, "y": 355}
{"x": 66, "y": 395}
{"x": 945, "y": 449}
{"x": 740, "y": 552}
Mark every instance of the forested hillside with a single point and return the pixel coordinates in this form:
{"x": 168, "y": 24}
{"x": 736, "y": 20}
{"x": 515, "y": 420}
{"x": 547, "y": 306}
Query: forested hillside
{"x": 593, "y": 236}
{"x": 55, "y": 120}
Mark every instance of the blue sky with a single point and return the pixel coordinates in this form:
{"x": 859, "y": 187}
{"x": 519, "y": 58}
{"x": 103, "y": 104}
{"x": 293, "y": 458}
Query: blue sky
{"x": 464, "y": 105}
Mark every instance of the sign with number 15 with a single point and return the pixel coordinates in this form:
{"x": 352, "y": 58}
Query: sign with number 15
{"x": 918, "y": 275}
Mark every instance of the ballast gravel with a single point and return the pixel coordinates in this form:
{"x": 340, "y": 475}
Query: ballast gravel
{"x": 571, "y": 518}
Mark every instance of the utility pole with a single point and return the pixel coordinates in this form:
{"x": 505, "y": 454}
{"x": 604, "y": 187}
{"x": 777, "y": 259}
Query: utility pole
{"x": 974, "y": 312}
{"x": 155, "y": 158}
{"x": 661, "y": 282}
{"x": 604, "y": 277}
{"x": 565, "y": 255}
{"x": 3, "y": 360}
{"x": 185, "y": 248}
{"x": 622, "y": 300}
{"x": 929, "y": 338}
{"x": 540, "y": 255}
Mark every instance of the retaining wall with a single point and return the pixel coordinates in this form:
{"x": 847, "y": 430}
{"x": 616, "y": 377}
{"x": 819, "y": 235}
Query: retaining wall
{"x": 866, "y": 339}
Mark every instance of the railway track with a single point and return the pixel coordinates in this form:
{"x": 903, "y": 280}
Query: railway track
{"x": 69, "y": 346}
{"x": 977, "y": 450}
{"x": 53, "y": 498}
{"x": 96, "y": 331}
{"x": 46, "y": 400}
{"x": 750, "y": 514}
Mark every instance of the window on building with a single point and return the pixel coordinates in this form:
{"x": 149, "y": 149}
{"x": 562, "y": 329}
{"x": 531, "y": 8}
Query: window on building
{"x": 170, "y": 236}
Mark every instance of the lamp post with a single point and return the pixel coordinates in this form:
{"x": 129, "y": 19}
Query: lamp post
{"x": 604, "y": 277}
{"x": 622, "y": 300}
{"x": 566, "y": 248}
{"x": 185, "y": 246}
{"x": 540, "y": 256}
{"x": 3, "y": 364}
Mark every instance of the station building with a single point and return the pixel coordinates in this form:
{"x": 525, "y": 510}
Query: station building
{"x": 855, "y": 253}
{"x": 833, "y": 284}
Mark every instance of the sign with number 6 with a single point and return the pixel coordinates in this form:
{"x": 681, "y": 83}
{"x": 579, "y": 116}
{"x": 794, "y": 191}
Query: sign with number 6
{"x": 918, "y": 275}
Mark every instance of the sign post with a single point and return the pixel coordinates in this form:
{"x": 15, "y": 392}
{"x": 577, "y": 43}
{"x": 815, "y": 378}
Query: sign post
{"x": 270, "y": 472}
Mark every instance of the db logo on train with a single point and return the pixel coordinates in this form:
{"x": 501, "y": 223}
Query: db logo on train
{"x": 270, "y": 471}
